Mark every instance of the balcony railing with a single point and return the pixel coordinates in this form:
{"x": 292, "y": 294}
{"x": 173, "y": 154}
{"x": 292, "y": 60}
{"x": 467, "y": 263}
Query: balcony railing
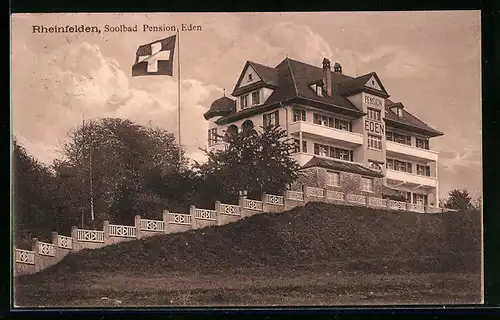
{"x": 398, "y": 148}
{"x": 411, "y": 178}
{"x": 324, "y": 132}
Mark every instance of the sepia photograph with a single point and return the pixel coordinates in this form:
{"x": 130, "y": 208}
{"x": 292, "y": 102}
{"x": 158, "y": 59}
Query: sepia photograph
{"x": 249, "y": 159}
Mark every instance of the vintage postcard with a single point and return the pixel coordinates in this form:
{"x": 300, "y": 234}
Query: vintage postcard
{"x": 246, "y": 159}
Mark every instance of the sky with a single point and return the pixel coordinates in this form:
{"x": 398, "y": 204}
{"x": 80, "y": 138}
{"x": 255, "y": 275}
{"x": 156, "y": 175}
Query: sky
{"x": 429, "y": 61}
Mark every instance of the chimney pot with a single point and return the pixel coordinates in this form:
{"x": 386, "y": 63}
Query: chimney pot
{"x": 327, "y": 77}
{"x": 337, "y": 67}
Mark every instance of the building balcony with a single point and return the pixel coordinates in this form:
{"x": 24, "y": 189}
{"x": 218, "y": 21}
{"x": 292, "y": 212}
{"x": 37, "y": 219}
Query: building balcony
{"x": 394, "y": 148}
{"x": 319, "y": 132}
{"x": 400, "y": 178}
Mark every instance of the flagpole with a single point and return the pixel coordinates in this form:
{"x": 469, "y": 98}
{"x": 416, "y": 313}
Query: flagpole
{"x": 179, "y": 95}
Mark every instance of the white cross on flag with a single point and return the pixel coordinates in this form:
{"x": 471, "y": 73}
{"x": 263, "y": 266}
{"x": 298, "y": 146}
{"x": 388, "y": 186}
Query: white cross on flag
{"x": 156, "y": 58}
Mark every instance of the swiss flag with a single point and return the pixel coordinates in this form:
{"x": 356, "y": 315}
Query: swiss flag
{"x": 155, "y": 58}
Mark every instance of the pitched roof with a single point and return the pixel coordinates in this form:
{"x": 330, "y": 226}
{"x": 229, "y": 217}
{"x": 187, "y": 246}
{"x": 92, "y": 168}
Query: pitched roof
{"x": 291, "y": 79}
{"x": 267, "y": 74}
{"x": 356, "y": 85}
{"x": 408, "y": 121}
{"x": 268, "y": 77}
{"x": 334, "y": 164}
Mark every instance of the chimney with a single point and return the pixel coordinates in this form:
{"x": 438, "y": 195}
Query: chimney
{"x": 327, "y": 76}
{"x": 337, "y": 67}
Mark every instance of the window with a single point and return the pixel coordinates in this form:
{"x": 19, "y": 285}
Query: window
{"x": 389, "y": 164}
{"x": 401, "y": 138}
{"x": 250, "y": 77}
{"x": 399, "y": 112}
{"x": 319, "y": 89}
{"x": 297, "y": 145}
{"x": 374, "y": 142}
{"x": 399, "y": 165}
{"x": 423, "y": 170}
{"x": 422, "y": 143}
{"x": 374, "y": 114}
{"x": 299, "y": 115}
{"x": 271, "y": 119}
{"x": 342, "y": 124}
{"x": 255, "y": 98}
{"x": 212, "y": 136}
{"x": 244, "y": 101}
{"x": 332, "y": 178}
{"x": 367, "y": 184}
{"x": 419, "y": 198}
{"x": 332, "y": 122}
{"x": 389, "y": 136}
{"x": 333, "y": 152}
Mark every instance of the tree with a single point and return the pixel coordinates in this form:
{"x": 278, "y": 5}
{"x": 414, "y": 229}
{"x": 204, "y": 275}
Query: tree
{"x": 107, "y": 168}
{"x": 459, "y": 200}
{"x": 35, "y": 210}
{"x": 252, "y": 161}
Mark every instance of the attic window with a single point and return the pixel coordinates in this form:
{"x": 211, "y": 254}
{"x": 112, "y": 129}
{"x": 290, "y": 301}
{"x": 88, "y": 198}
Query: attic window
{"x": 319, "y": 90}
{"x": 399, "y": 112}
{"x": 250, "y": 77}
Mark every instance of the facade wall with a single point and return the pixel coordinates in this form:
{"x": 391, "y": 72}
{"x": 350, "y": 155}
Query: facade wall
{"x": 349, "y": 182}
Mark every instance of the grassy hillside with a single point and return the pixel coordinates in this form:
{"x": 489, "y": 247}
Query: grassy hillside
{"x": 354, "y": 238}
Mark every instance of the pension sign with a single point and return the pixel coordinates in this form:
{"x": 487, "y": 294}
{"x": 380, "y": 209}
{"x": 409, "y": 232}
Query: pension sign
{"x": 374, "y": 127}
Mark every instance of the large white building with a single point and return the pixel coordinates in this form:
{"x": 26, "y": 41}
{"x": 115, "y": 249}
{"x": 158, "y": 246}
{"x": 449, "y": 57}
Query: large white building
{"x": 348, "y": 134}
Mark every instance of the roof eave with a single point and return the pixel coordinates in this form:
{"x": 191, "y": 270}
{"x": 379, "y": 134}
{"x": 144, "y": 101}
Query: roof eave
{"x": 429, "y": 132}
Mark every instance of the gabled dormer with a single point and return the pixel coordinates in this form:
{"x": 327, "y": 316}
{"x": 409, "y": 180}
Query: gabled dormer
{"x": 255, "y": 84}
{"x": 397, "y": 108}
{"x": 369, "y": 83}
{"x": 318, "y": 86}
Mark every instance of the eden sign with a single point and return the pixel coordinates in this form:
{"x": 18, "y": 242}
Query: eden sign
{"x": 374, "y": 127}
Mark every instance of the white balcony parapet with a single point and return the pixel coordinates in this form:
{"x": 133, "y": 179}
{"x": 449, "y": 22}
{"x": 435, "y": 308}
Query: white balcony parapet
{"x": 326, "y": 132}
{"x": 397, "y": 205}
{"x": 64, "y": 242}
{"x": 315, "y": 192}
{"x": 377, "y": 202}
{"x": 25, "y": 256}
{"x": 252, "y": 204}
{"x": 411, "y": 178}
{"x": 404, "y": 149}
{"x": 295, "y": 195}
{"x": 274, "y": 199}
{"x": 46, "y": 249}
{"x": 230, "y": 209}
{"x": 356, "y": 198}
{"x": 89, "y": 235}
{"x": 152, "y": 225}
{"x": 334, "y": 195}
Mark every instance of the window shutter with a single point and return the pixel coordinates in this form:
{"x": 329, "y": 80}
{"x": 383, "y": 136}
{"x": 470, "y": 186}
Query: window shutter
{"x": 409, "y": 166}
{"x": 277, "y": 117}
{"x": 304, "y": 146}
{"x": 408, "y": 140}
{"x": 427, "y": 144}
{"x": 351, "y": 155}
{"x": 428, "y": 171}
{"x": 316, "y": 148}
{"x": 265, "y": 120}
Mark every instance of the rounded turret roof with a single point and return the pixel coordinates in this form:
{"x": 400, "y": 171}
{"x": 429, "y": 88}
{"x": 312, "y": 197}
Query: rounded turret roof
{"x": 221, "y": 107}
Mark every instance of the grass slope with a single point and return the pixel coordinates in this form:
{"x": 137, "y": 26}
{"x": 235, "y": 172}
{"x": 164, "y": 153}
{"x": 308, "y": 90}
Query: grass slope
{"x": 355, "y": 238}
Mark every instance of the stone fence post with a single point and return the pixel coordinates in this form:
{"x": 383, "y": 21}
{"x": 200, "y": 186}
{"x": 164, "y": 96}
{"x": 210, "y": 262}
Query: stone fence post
{"x": 137, "y": 222}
